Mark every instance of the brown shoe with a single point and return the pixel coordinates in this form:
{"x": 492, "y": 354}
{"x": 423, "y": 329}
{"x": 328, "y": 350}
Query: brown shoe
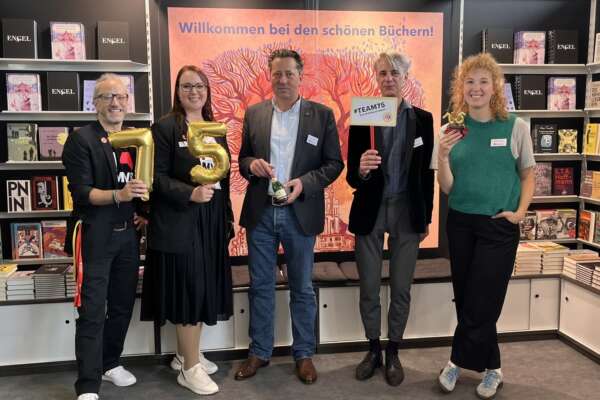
{"x": 249, "y": 367}
{"x": 306, "y": 371}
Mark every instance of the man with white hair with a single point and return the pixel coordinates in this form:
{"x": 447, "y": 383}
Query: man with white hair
{"x": 394, "y": 194}
{"x": 108, "y": 266}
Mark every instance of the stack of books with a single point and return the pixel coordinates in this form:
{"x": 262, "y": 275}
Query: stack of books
{"x": 140, "y": 282}
{"x": 50, "y": 281}
{"x": 529, "y": 259}
{"x": 585, "y": 271}
{"x": 571, "y": 261}
{"x": 6, "y": 270}
{"x": 596, "y": 279}
{"x": 552, "y": 257}
{"x": 70, "y": 283}
{"x": 19, "y": 286}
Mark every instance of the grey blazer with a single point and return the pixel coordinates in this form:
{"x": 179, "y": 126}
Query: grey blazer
{"x": 316, "y": 166}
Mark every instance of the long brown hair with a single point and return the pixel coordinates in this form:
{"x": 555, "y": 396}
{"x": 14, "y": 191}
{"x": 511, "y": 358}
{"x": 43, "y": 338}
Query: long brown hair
{"x": 488, "y": 63}
{"x": 178, "y": 110}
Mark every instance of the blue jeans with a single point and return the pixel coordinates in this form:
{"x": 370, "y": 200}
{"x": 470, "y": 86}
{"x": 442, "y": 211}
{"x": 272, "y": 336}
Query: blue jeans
{"x": 279, "y": 225}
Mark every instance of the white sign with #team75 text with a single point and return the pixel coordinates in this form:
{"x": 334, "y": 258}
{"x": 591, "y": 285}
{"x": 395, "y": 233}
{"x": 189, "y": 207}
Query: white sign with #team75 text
{"x": 374, "y": 111}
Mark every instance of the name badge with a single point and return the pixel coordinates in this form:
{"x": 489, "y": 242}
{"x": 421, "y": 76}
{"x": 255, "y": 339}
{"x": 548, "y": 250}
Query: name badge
{"x": 183, "y": 143}
{"x": 418, "y": 142}
{"x": 312, "y": 140}
{"x": 498, "y": 142}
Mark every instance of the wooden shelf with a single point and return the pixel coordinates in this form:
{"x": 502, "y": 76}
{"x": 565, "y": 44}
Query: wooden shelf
{"x": 40, "y": 64}
{"x": 40, "y": 261}
{"x": 31, "y": 165}
{"x": 593, "y": 68}
{"x": 554, "y": 199}
{"x": 589, "y": 200}
{"x": 35, "y": 214}
{"x": 592, "y": 157}
{"x": 588, "y": 243}
{"x": 593, "y": 112}
{"x": 561, "y": 241}
{"x": 558, "y": 156}
{"x": 64, "y": 116}
{"x": 549, "y": 113}
{"x": 546, "y": 69}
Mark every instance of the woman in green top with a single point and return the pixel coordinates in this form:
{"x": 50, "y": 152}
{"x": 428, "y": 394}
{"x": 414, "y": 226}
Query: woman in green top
{"x": 488, "y": 176}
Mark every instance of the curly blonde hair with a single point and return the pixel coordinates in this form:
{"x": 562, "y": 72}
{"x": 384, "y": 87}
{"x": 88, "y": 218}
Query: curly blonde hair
{"x": 479, "y": 61}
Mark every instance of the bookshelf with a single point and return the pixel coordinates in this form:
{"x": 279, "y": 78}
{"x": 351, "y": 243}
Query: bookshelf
{"x": 558, "y": 157}
{"x": 554, "y": 199}
{"x": 32, "y": 166}
{"x": 28, "y": 116}
{"x": 544, "y": 69}
{"x": 35, "y": 214}
{"x": 37, "y": 64}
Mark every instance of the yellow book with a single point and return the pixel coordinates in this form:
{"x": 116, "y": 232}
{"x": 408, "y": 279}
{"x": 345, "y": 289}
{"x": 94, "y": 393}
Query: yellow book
{"x": 67, "y": 198}
{"x": 7, "y": 269}
{"x": 590, "y": 145}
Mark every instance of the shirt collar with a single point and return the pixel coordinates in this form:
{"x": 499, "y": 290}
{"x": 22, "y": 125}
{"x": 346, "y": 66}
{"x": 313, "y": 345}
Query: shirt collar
{"x": 404, "y": 105}
{"x": 295, "y": 109}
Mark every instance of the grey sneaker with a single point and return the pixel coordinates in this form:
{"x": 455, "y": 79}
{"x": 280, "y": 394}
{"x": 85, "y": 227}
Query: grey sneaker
{"x": 448, "y": 377}
{"x": 489, "y": 386}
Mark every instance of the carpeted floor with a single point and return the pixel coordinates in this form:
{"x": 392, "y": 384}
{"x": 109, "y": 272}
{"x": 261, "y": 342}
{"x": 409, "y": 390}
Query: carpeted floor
{"x": 544, "y": 370}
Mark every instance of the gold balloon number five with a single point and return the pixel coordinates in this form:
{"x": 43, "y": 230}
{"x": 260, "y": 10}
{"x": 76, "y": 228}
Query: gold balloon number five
{"x": 197, "y": 131}
{"x": 142, "y": 140}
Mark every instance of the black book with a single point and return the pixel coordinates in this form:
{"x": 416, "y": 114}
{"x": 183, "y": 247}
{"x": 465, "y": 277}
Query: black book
{"x": 63, "y": 91}
{"x": 562, "y": 47}
{"x": 531, "y": 92}
{"x": 545, "y": 138}
{"x": 499, "y": 43}
{"x": 113, "y": 40}
{"x": 19, "y": 38}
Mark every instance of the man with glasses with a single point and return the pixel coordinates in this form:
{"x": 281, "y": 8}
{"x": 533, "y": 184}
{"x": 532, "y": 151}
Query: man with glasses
{"x": 109, "y": 245}
{"x": 295, "y": 141}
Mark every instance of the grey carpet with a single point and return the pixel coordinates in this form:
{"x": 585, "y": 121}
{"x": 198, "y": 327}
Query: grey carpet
{"x": 544, "y": 370}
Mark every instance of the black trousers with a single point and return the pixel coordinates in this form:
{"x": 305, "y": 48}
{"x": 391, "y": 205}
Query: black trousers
{"x": 482, "y": 256}
{"x": 107, "y": 299}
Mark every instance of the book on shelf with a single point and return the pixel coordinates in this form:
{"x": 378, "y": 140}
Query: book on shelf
{"x": 21, "y": 141}
{"x": 27, "y": 240}
{"x": 18, "y": 195}
{"x": 561, "y": 93}
{"x": 596, "y": 230}
{"x": 597, "y": 49}
{"x": 62, "y": 91}
{"x": 19, "y": 38}
{"x": 556, "y": 224}
{"x": 562, "y": 181}
{"x": 113, "y": 40}
{"x": 88, "y": 93}
{"x": 545, "y": 138}
{"x": 568, "y": 229}
{"x": 567, "y": 141}
{"x": 499, "y": 43}
{"x": 590, "y": 138}
{"x": 67, "y": 200}
{"x": 587, "y": 224}
{"x": 67, "y": 40}
{"x": 563, "y": 46}
{"x": 51, "y": 140}
{"x": 585, "y": 189}
{"x": 23, "y": 92}
{"x": 510, "y": 100}
{"x": 543, "y": 179}
{"x": 530, "y": 47}
{"x": 54, "y": 234}
{"x": 530, "y": 92}
{"x": 527, "y": 226}
{"x": 44, "y": 193}
{"x": 593, "y": 100}
{"x": 595, "y": 184}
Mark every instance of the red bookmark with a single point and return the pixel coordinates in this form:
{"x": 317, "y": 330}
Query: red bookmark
{"x": 372, "y": 131}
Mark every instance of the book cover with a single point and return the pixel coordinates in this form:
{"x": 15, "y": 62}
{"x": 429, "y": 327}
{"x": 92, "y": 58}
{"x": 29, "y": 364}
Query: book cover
{"x": 584, "y": 227}
{"x": 586, "y": 184}
{"x": 548, "y": 224}
{"x": 596, "y": 231}
{"x": 19, "y": 38}
{"x": 22, "y": 143}
{"x": 54, "y": 236}
{"x": 543, "y": 179}
{"x": 67, "y": 40}
{"x": 51, "y": 140}
{"x": 531, "y": 92}
{"x": 27, "y": 241}
{"x": 562, "y": 47}
{"x": 23, "y": 92}
{"x": 593, "y": 100}
{"x": 527, "y": 226}
{"x": 562, "y": 181}
{"x": 567, "y": 141}
{"x": 113, "y": 40}
{"x": 88, "y": 95}
{"x": 597, "y": 49}
{"x": 595, "y": 184}
{"x": 62, "y": 91}
{"x": 568, "y": 219}
{"x": 590, "y": 139}
{"x": 67, "y": 200}
{"x": 545, "y": 136}
{"x": 44, "y": 193}
{"x": 18, "y": 195}
{"x": 499, "y": 43}
{"x": 561, "y": 93}
{"x": 530, "y": 47}
{"x": 510, "y": 101}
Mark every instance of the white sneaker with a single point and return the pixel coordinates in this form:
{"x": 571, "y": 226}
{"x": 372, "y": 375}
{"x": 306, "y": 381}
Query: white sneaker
{"x": 88, "y": 396}
{"x": 197, "y": 380}
{"x": 448, "y": 377}
{"x": 119, "y": 376}
{"x": 491, "y": 383}
{"x": 209, "y": 366}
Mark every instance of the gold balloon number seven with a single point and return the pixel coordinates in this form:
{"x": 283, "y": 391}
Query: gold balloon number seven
{"x": 142, "y": 140}
{"x": 197, "y": 131}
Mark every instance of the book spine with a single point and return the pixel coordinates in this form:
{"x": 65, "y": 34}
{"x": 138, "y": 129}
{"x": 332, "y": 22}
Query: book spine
{"x": 551, "y": 47}
{"x": 519, "y": 92}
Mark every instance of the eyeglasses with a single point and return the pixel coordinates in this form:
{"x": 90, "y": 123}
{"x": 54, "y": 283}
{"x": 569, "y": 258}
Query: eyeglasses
{"x": 187, "y": 87}
{"x": 108, "y": 97}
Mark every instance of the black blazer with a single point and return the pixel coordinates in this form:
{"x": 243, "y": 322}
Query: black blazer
{"x": 369, "y": 192}
{"x": 174, "y": 216}
{"x": 89, "y": 164}
{"x": 317, "y": 166}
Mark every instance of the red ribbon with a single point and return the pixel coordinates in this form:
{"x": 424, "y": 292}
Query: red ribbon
{"x": 77, "y": 263}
